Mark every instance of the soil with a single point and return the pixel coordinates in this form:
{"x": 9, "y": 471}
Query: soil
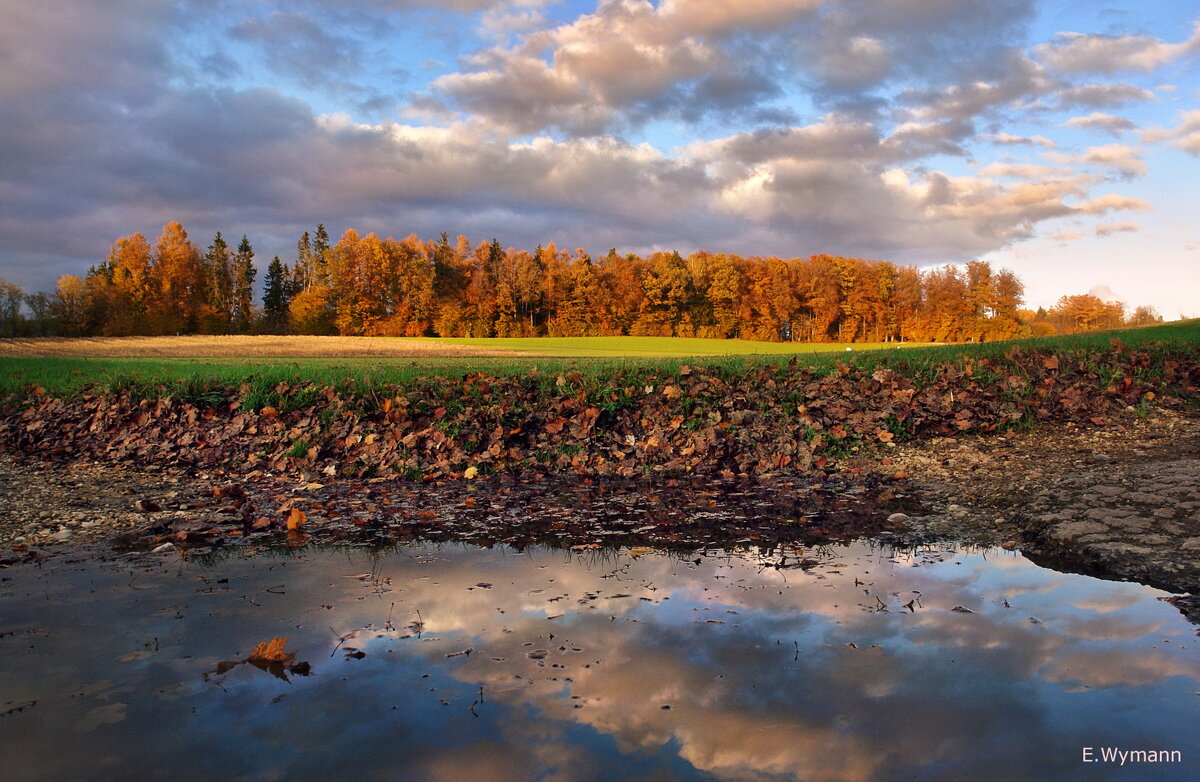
{"x": 1120, "y": 501}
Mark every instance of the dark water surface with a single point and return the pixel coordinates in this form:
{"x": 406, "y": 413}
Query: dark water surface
{"x": 584, "y": 666}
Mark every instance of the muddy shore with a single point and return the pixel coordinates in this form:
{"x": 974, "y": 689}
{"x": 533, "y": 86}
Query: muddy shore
{"x": 1120, "y": 501}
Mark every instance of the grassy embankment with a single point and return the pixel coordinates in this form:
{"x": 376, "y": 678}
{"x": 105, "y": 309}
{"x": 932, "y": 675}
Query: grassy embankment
{"x": 189, "y": 366}
{"x": 436, "y": 416}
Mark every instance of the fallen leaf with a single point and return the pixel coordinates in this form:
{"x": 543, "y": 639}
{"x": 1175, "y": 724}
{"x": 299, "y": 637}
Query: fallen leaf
{"x": 272, "y": 651}
{"x": 296, "y": 518}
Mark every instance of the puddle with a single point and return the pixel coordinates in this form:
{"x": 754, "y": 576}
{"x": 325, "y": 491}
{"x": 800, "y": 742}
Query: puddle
{"x": 447, "y": 661}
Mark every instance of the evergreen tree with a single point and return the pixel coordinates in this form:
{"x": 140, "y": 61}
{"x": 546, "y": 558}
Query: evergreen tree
{"x": 243, "y": 274}
{"x": 218, "y": 288}
{"x": 320, "y": 254}
{"x": 277, "y": 295}
{"x": 304, "y": 261}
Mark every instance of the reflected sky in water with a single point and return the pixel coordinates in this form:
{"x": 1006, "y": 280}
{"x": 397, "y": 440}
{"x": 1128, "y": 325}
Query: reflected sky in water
{"x": 591, "y": 666}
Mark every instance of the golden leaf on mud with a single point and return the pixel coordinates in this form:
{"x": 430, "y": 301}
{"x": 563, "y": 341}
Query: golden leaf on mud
{"x": 672, "y": 392}
{"x": 269, "y": 412}
{"x": 295, "y": 518}
{"x": 885, "y": 437}
{"x": 470, "y": 472}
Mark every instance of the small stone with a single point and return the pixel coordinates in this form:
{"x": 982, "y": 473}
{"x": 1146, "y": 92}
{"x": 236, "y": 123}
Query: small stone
{"x": 898, "y": 518}
{"x": 168, "y": 546}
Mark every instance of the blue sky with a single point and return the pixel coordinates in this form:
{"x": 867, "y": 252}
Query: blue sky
{"x": 1059, "y": 139}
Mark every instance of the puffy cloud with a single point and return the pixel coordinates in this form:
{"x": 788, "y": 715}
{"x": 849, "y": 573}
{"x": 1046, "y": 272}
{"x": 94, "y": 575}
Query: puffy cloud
{"x": 626, "y": 62}
{"x": 723, "y": 18}
{"x": 1079, "y": 53}
{"x": 1017, "y": 80}
{"x": 1108, "y": 123}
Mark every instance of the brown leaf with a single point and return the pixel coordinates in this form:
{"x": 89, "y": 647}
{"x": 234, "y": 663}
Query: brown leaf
{"x": 1050, "y": 362}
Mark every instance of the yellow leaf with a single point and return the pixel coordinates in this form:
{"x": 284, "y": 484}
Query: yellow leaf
{"x": 470, "y": 472}
{"x": 296, "y": 518}
{"x": 271, "y": 652}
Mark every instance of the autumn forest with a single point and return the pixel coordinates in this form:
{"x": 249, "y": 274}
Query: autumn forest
{"x": 365, "y": 285}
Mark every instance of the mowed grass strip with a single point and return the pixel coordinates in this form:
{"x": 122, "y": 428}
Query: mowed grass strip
{"x": 313, "y": 360}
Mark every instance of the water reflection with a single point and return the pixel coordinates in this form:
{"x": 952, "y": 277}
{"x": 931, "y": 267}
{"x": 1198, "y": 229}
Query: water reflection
{"x": 855, "y": 666}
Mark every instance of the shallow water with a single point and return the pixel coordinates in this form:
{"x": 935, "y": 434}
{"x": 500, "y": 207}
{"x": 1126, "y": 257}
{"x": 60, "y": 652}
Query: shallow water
{"x": 635, "y": 665}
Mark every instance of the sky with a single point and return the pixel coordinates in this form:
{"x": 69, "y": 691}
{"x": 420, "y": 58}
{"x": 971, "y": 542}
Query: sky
{"x": 1058, "y": 139}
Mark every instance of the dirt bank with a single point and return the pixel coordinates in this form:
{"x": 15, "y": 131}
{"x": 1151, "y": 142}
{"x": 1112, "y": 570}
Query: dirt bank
{"x": 1119, "y": 501}
{"x": 1082, "y": 460}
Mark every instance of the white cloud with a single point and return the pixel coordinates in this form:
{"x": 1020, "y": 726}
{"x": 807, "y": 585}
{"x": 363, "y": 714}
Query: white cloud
{"x": 1122, "y": 159}
{"x": 1079, "y": 53}
{"x": 1103, "y": 95}
{"x": 1185, "y": 135}
{"x": 1111, "y": 202}
{"x": 1108, "y": 123}
{"x": 1021, "y": 171}
{"x": 1007, "y": 139}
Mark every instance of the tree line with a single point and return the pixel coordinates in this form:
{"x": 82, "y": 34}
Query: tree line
{"x": 365, "y": 285}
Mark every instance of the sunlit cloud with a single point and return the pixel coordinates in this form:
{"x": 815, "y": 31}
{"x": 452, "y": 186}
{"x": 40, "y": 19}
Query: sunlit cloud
{"x": 1108, "y": 229}
{"x": 1082, "y": 53}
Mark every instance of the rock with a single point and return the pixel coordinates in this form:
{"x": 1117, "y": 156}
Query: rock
{"x": 898, "y": 518}
{"x": 168, "y": 546}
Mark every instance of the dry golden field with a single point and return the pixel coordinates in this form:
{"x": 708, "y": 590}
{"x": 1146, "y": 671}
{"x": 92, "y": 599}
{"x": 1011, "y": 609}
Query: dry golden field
{"x": 238, "y": 347}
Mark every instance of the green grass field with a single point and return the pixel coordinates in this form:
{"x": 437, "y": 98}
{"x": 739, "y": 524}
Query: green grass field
{"x": 598, "y": 355}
